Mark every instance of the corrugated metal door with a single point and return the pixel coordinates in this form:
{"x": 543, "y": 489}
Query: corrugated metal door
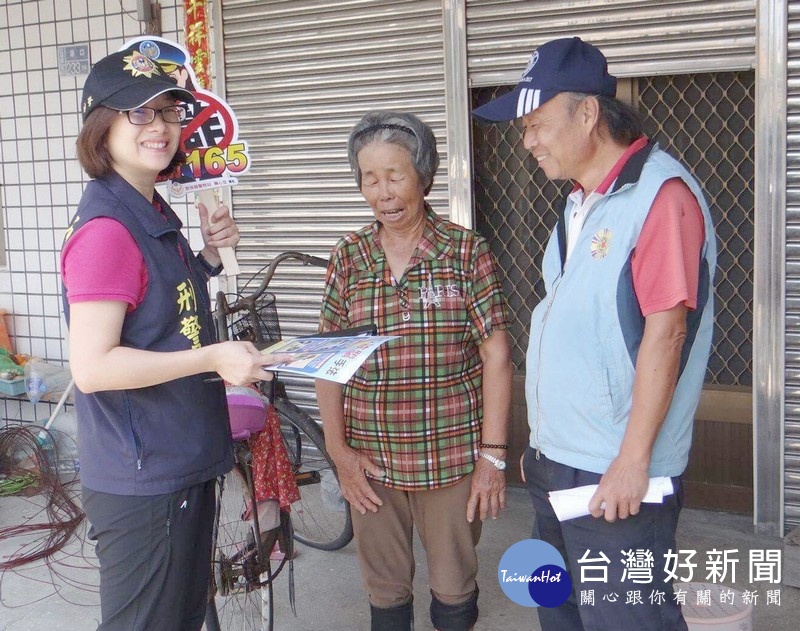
{"x": 299, "y": 74}
{"x": 792, "y": 369}
{"x": 639, "y": 38}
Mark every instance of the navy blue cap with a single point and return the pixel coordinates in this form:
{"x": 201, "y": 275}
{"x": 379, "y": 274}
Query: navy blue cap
{"x": 126, "y": 80}
{"x": 560, "y": 65}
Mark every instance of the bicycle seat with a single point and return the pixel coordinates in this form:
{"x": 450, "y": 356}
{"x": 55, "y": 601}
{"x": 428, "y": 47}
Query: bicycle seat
{"x": 248, "y": 415}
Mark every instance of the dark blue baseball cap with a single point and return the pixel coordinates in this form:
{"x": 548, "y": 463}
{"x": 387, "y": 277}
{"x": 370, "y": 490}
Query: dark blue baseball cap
{"x": 126, "y": 80}
{"x": 560, "y": 65}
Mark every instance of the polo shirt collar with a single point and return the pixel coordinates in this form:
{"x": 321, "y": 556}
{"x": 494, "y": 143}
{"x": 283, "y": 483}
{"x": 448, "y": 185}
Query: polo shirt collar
{"x": 625, "y": 165}
{"x": 631, "y": 169}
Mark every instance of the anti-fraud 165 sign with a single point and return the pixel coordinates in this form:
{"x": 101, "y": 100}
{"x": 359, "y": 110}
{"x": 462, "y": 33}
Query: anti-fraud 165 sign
{"x": 210, "y": 138}
{"x": 215, "y": 156}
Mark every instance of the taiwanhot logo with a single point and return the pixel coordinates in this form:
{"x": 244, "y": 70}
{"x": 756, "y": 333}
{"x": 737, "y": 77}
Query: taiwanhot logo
{"x": 532, "y": 574}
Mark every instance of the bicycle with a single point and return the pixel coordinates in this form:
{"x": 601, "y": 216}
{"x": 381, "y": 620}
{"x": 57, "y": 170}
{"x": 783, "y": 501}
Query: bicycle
{"x": 240, "y": 590}
{"x": 241, "y": 587}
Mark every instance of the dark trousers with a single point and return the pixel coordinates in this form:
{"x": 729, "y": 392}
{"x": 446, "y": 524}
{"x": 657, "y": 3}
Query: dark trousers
{"x": 615, "y": 604}
{"x": 155, "y": 555}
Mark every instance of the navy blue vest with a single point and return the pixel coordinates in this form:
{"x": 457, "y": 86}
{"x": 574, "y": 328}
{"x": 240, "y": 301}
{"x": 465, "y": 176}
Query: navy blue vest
{"x": 158, "y": 439}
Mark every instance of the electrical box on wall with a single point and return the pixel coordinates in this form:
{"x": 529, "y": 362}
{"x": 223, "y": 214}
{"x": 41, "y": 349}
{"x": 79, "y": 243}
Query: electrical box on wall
{"x": 144, "y": 12}
{"x": 149, "y": 13}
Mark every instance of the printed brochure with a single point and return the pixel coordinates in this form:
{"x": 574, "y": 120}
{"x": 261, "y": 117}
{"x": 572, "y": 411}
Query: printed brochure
{"x": 331, "y": 358}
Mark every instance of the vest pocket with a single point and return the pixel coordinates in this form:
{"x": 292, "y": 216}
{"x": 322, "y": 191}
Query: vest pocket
{"x": 609, "y": 390}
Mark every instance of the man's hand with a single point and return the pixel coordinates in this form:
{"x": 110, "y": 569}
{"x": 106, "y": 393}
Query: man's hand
{"x": 625, "y": 483}
{"x": 620, "y": 491}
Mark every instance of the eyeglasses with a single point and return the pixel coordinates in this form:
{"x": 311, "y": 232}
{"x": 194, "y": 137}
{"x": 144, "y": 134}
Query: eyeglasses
{"x": 146, "y": 115}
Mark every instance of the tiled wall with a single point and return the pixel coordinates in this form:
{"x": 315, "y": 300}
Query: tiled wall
{"x": 41, "y": 182}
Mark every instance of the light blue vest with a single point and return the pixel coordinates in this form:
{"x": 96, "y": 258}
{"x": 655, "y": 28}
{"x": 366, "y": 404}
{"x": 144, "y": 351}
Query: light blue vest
{"x": 585, "y": 334}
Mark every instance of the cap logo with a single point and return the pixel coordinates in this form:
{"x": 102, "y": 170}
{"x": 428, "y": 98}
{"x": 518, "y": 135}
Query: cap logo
{"x": 150, "y": 49}
{"x": 531, "y": 62}
{"x": 140, "y": 66}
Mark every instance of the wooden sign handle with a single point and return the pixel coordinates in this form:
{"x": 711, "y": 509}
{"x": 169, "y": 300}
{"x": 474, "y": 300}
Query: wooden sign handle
{"x": 228, "y": 255}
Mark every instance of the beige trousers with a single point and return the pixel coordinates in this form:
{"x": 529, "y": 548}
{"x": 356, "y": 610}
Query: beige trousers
{"x": 384, "y": 544}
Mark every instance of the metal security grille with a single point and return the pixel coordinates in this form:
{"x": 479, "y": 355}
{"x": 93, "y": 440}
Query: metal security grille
{"x": 516, "y": 207}
{"x": 791, "y": 444}
{"x": 705, "y": 120}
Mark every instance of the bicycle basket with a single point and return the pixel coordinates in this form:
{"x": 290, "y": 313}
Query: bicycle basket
{"x": 259, "y": 323}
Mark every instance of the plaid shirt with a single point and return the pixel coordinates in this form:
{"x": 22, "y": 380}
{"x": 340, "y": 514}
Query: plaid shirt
{"x": 415, "y": 406}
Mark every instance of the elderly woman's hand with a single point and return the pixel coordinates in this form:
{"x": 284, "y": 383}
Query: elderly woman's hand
{"x": 350, "y": 467}
{"x": 488, "y": 492}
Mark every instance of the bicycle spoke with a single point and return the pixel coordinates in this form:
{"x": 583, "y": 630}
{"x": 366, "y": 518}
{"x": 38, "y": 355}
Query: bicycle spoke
{"x": 321, "y": 518}
{"x": 239, "y": 566}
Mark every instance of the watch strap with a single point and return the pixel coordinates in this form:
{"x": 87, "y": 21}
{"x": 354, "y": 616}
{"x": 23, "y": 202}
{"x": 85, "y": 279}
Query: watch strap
{"x": 497, "y": 462}
{"x": 208, "y": 267}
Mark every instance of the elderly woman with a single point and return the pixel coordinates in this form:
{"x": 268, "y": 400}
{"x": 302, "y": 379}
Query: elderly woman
{"x": 418, "y": 435}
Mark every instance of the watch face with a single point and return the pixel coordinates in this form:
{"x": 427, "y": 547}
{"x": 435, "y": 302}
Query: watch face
{"x": 498, "y": 464}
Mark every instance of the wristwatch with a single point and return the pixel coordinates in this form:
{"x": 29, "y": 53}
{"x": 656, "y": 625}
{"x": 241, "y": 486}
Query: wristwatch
{"x": 500, "y": 465}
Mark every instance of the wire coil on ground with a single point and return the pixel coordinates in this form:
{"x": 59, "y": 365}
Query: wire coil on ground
{"x": 28, "y": 468}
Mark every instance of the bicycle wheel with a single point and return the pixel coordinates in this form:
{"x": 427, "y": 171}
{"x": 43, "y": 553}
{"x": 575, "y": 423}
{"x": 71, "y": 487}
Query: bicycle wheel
{"x": 321, "y": 518}
{"x": 240, "y": 595}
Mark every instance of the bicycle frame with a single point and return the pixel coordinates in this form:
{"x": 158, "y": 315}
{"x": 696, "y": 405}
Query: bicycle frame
{"x": 303, "y": 437}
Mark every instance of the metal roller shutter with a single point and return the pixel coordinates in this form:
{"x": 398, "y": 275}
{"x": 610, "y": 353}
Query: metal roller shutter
{"x": 299, "y": 74}
{"x": 639, "y": 38}
{"x": 792, "y": 358}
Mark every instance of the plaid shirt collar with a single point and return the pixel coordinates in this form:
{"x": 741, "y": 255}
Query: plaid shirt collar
{"x": 434, "y": 244}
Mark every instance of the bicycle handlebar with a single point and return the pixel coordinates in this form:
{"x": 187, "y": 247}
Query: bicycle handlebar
{"x": 223, "y": 309}
{"x": 305, "y": 259}
{"x": 244, "y": 301}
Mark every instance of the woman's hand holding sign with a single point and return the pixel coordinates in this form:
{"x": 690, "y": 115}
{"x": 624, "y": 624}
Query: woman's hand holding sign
{"x": 220, "y": 234}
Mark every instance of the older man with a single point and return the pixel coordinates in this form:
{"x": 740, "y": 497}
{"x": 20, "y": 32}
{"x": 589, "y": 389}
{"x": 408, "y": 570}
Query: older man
{"x": 619, "y": 345}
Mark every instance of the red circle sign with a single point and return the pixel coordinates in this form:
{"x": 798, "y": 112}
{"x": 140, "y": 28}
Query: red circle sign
{"x": 211, "y": 107}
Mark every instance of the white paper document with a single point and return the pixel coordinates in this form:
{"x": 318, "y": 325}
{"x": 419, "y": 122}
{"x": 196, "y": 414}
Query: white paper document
{"x": 331, "y": 358}
{"x": 572, "y": 503}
